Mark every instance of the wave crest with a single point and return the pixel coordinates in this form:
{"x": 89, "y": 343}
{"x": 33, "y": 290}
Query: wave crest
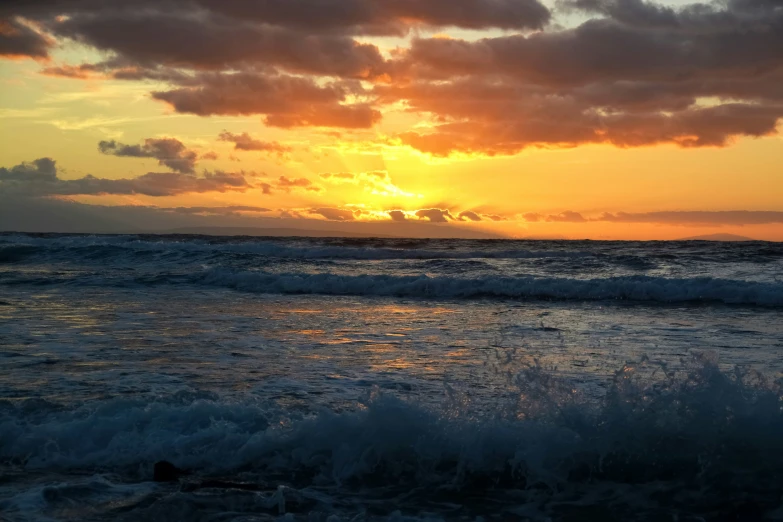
{"x": 631, "y": 288}
{"x": 700, "y": 429}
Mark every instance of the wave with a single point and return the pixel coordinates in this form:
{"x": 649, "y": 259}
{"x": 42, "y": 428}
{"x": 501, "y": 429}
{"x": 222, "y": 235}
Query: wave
{"x": 700, "y": 438}
{"x": 632, "y": 288}
{"x": 100, "y": 247}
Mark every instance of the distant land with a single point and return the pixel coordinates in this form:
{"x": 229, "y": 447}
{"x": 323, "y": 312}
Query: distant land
{"x": 719, "y": 237}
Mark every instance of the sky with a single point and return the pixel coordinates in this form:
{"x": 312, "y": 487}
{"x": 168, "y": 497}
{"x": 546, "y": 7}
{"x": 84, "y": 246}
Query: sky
{"x": 598, "y": 119}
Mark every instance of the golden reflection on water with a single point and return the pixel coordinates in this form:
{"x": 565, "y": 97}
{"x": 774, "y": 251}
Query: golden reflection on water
{"x": 311, "y": 333}
{"x": 378, "y": 337}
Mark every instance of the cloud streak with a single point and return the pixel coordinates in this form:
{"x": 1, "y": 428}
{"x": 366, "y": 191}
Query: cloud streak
{"x": 680, "y": 218}
{"x": 246, "y": 142}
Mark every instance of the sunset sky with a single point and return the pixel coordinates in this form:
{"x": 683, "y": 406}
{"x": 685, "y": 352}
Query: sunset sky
{"x": 602, "y": 119}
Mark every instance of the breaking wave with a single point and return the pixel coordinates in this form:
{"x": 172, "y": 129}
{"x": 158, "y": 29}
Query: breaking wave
{"x": 696, "y": 441}
{"x": 632, "y": 288}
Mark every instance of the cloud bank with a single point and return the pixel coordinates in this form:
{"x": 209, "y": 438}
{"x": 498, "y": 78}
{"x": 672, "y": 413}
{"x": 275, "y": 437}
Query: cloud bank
{"x": 40, "y": 178}
{"x": 634, "y": 73}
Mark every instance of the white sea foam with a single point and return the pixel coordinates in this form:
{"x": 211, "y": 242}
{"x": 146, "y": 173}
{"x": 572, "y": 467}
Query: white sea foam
{"x": 653, "y": 425}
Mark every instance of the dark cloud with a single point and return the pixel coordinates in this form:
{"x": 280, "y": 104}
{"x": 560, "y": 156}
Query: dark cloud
{"x": 335, "y": 214}
{"x": 285, "y": 101}
{"x": 468, "y": 215}
{"x": 306, "y": 17}
{"x": 18, "y": 40}
{"x": 636, "y": 73}
{"x": 233, "y": 210}
{"x": 383, "y": 17}
{"x": 211, "y": 155}
{"x": 42, "y": 169}
{"x": 640, "y": 74}
{"x": 606, "y": 50}
{"x": 169, "y": 152}
{"x": 498, "y": 118}
{"x": 39, "y": 178}
{"x": 246, "y": 142}
{"x": 288, "y": 184}
{"x": 397, "y": 215}
{"x": 180, "y": 39}
{"x": 533, "y": 217}
{"x": 435, "y": 215}
{"x": 566, "y": 217}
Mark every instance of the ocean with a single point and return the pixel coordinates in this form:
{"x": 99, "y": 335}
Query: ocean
{"x": 389, "y": 379}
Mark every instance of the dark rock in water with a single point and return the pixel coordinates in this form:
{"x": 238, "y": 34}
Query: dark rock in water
{"x": 165, "y": 471}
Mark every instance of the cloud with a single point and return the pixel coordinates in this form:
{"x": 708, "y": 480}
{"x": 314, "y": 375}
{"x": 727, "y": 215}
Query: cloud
{"x": 397, "y": 215}
{"x": 79, "y": 72}
{"x": 468, "y": 215}
{"x": 246, "y": 142}
{"x": 335, "y": 214}
{"x": 435, "y": 215}
{"x": 693, "y": 45}
{"x": 176, "y": 38}
{"x": 726, "y": 217}
{"x": 340, "y": 177}
{"x": 19, "y": 40}
{"x": 232, "y": 210}
{"x": 566, "y": 217}
{"x": 39, "y": 178}
{"x": 211, "y": 155}
{"x": 639, "y": 74}
{"x": 288, "y": 184}
{"x": 635, "y": 73}
{"x": 40, "y": 170}
{"x": 377, "y": 182}
{"x": 387, "y": 17}
{"x": 169, "y": 152}
{"x": 490, "y": 117}
{"x": 256, "y": 25}
{"x": 284, "y": 101}
{"x": 683, "y": 217}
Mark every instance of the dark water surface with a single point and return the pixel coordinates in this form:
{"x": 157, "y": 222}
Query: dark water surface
{"x": 334, "y": 379}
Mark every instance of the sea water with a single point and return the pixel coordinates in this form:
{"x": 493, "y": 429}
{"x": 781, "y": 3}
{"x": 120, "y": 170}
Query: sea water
{"x": 389, "y": 379}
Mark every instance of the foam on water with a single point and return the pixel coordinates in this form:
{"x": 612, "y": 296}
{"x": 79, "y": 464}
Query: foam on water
{"x": 699, "y": 432}
{"x": 240, "y": 360}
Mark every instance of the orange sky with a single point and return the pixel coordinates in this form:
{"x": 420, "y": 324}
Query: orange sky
{"x": 511, "y": 117}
